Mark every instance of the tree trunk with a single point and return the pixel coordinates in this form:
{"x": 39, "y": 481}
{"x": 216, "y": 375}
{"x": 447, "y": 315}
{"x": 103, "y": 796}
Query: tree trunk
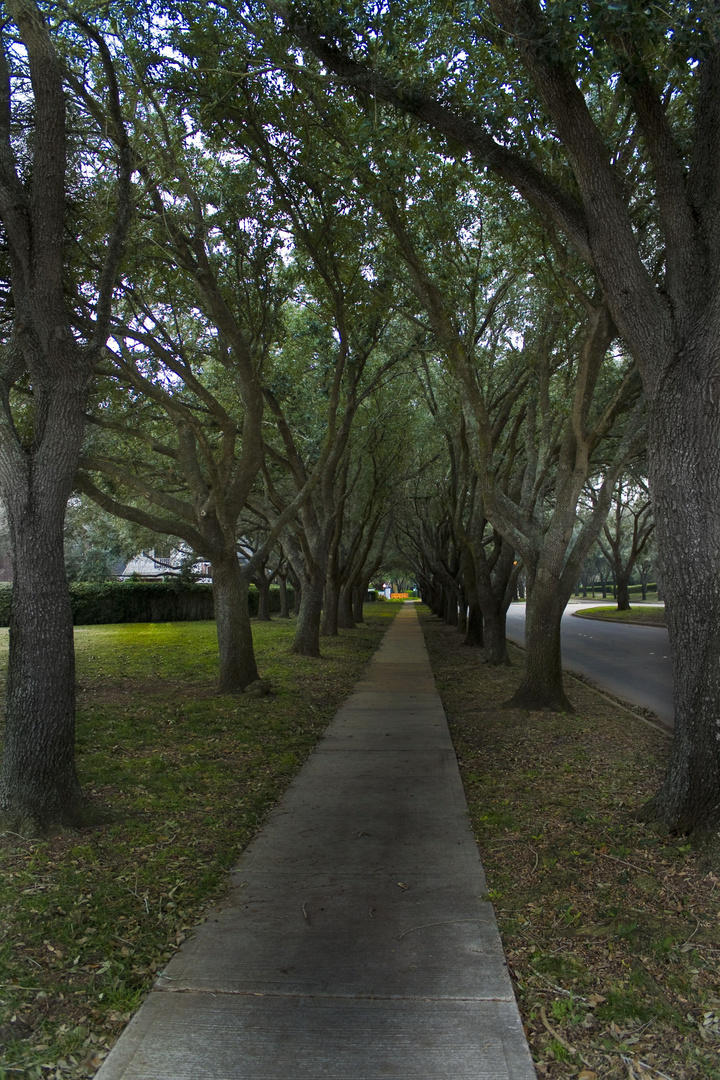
{"x": 263, "y": 587}
{"x": 232, "y": 619}
{"x": 542, "y": 682}
{"x": 307, "y": 635}
{"x": 284, "y": 608}
{"x": 623, "y": 591}
{"x": 358, "y": 597}
{"x": 331, "y": 599}
{"x": 345, "y": 612}
{"x": 474, "y": 633}
{"x": 494, "y": 639}
{"x": 462, "y": 616}
{"x": 492, "y": 588}
{"x": 39, "y": 784}
{"x": 684, "y": 458}
{"x": 450, "y": 607}
{"x": 437, "y": 600}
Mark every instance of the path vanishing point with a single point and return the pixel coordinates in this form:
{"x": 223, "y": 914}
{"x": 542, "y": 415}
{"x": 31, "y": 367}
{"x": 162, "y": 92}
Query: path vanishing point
{"x": 355, "y": 943}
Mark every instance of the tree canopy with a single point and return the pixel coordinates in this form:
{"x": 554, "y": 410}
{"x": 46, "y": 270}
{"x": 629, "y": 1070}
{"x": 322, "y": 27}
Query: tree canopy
{"x": 400, "y": 284}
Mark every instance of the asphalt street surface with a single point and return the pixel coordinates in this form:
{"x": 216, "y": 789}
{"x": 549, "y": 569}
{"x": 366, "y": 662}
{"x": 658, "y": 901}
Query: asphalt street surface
{"x": 631, "y": 662}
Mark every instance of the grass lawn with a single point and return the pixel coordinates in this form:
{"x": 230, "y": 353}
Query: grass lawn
{"x": 86, "y": 920}
{"x": 645, "y": 614}
{"x": 611, "y": 930}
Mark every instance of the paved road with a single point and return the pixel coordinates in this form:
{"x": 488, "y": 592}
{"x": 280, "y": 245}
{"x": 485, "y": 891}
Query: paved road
{"x": 631, "y": 662}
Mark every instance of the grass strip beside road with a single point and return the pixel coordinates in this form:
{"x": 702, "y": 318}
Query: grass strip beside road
{"x": 642, "y": 615}
{"x": 611, "y": 930}
{"x": 87, "y": 920}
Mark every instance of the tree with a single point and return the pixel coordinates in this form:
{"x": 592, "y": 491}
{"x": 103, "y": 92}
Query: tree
{"x": 46, "y": 367}
{"x": 177, "y": 444}
{"x": 572, "y": 399}
{"x": 486, "y": 567}
{"x": 97, "y": 545}
{"x": 626, "y": 533}
{"x": 630, "y": 98}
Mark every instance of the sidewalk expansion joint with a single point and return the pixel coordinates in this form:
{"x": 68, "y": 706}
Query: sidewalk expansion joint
{"x": 327, "y": 995}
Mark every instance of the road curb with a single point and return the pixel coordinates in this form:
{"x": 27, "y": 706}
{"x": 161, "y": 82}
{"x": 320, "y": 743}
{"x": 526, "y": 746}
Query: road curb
{"x": 617, "y": 622}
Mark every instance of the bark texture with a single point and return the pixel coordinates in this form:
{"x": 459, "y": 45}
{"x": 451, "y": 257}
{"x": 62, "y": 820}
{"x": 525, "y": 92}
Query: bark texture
{"x": 232, "y": 619}
{"x": 38, "y": 784}
{"x": 307, "y": 634}
{"x": 542, "y": 682}
{"x": 686, "y": 492}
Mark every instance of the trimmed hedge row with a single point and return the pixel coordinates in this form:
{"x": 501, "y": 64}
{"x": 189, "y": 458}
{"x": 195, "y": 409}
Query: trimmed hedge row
{"x": 142, "y": 601}
{"x": 636, "y": 590}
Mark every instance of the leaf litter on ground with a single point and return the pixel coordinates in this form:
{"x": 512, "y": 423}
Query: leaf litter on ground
{"x": 611, "y": 929}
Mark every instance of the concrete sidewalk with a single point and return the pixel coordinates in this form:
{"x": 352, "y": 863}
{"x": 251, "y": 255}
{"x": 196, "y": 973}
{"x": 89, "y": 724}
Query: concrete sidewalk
{"x": 354, "y": 944}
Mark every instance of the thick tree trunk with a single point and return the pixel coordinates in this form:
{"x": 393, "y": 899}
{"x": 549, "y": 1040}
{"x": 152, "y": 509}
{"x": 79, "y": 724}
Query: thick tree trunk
{"x": 494, "y": 639}
{"x": 474, "y": 633}
{"x": 263, "y": 587}
{"x": 437, "y": 600}
{"x": 450, "y": 607}
{"x": 493, "y": 589}
{"x": 623, "y": 591}
{"x": 684, "y": 456}
{"x": 542, "y": 682}
{"x": 307, "y": 635}
{"x": 345, "y": 610}
{"x": 232, "y": 619}
{"x": 331, "y": 599}
{"x": 284, "y": 608}
{"x": 462, "y": 615}
{"x": 39, "y": 785}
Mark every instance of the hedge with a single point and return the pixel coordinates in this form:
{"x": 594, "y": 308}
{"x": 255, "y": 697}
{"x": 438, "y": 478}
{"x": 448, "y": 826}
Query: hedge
{"x": 636, "y": 590}
{"x": 142, "y": 601}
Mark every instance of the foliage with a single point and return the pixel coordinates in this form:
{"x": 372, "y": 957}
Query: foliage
{"x": 142, "y": 601}
{"x": 98, "y": 545}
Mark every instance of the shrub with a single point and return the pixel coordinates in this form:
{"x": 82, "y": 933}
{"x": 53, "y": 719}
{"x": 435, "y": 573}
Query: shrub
{"x": 254, "y": 599}
{"x": 142, "y": 601}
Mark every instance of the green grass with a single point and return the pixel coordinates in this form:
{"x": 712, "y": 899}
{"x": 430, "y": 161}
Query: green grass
{"x": 646, "y": 614}
{"x": 87, "y": 920}
{"x": 651, "y": 596}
